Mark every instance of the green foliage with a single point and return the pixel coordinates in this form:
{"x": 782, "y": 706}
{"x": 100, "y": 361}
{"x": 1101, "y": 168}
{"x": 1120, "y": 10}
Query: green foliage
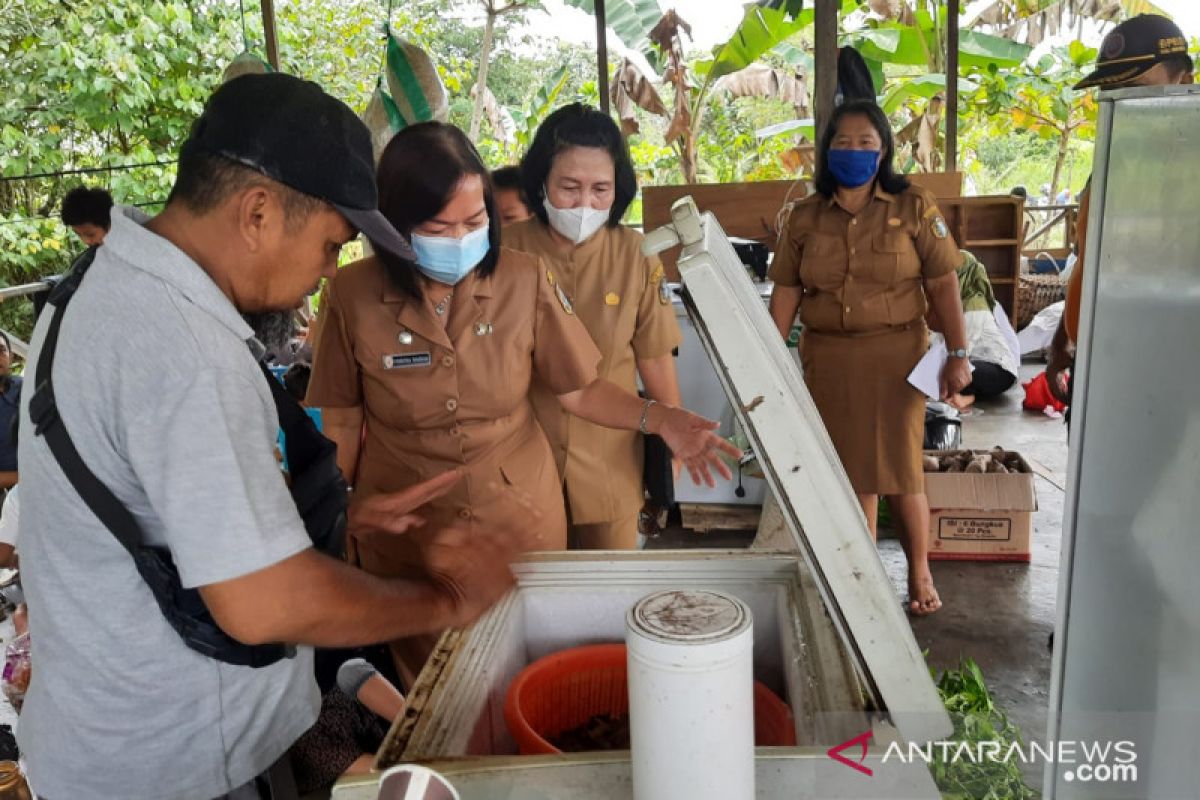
{"x": 542, "y": 104}
{"x": 95, "y": 85}
{"x": 977, "y": 718}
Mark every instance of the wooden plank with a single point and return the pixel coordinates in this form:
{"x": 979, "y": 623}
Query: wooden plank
{"x": 602, "y": 54}
{"x": 952, "y": 86}
{"x": 268, "y": 12}
{"x": 752, "y": 210}
{"x": 705, "y": 517}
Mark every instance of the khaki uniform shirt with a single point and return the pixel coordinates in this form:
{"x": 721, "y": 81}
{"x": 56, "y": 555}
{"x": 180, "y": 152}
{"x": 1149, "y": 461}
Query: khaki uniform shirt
{"x": 863, "y": 273}
{"x": 439, "y": 394}
{"x": 622, "y": 299}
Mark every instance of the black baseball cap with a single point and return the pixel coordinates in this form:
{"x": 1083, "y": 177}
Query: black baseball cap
{"x": 1133, "y": 47}
{"x": 293, "y": 132}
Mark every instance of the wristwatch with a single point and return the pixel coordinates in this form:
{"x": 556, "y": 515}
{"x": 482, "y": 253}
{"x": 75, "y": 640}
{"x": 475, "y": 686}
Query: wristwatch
{"x": 959, "y": 353}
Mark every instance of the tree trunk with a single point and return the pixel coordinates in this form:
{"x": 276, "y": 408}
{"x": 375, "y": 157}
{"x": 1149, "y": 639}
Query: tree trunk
{"x": 1064, "y": 146}
{"x": 485, "y": 51}
{"x": 687, "y": 159}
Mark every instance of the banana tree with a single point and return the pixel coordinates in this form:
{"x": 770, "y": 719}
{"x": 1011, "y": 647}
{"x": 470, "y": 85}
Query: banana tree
{"x": 630, "y": 20}
{"x": 526, "y": 122}
{"x": 764, "y": 26}
{"x": 915, "y": 34}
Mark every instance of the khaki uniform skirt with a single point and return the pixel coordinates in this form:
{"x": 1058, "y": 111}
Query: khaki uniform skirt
{"x": 875, "y": 418}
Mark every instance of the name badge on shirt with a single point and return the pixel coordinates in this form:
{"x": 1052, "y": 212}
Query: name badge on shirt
{"x": 406, "y": 360}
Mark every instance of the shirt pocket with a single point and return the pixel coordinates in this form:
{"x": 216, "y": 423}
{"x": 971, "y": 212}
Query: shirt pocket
{"x": 888, "y": 251}
{"x": 823, "y": 262}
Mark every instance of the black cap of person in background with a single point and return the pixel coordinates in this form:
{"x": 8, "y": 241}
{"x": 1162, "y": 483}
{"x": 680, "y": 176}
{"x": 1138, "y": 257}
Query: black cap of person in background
{"x": 1134, "y": 47}
{"x": 305, "y": 139}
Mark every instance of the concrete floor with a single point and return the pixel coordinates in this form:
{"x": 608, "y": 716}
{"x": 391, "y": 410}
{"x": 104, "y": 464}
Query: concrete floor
{"x": 998, "y": 614}
{"x": 1001, "y": 615}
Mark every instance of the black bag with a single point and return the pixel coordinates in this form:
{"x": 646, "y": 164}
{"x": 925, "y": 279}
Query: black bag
{"x": 318, "y": 490}
{"x": 943, "y": 427}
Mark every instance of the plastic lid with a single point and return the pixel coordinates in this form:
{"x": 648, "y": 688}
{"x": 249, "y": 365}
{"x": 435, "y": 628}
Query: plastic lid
{"x": 688, "y": 616}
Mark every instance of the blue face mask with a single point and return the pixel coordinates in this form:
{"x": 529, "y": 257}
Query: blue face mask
{"x": 852, "y": 168}
{"x": 448, "y": 260}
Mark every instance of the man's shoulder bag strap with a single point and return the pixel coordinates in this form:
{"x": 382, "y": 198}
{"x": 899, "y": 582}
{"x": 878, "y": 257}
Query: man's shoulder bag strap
{"x": 183, "y": 608}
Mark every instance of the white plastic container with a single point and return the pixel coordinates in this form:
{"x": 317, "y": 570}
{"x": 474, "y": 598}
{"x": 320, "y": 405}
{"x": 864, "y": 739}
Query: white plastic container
{"x": 691, "y": 696}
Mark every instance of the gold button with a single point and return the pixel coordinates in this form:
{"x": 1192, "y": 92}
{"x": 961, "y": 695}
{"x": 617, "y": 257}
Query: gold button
{"x": 465, "y": 513}
{"x": 452, "y": 404}
{"x": 847, "y": 309}
{"x": 447, "y": 361}
{"x": 854, "y": 221}
{"x": 852, "y": 251}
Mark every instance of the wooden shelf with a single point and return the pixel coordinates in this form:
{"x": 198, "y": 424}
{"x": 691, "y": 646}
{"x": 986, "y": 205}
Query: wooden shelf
{"x": 990, "y": 228}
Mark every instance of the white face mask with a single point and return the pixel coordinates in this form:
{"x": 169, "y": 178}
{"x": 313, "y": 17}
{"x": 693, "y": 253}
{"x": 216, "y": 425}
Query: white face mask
{"x": 577, "y": 224}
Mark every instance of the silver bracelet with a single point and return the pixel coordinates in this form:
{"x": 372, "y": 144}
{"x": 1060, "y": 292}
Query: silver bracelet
{"x": 645, "y": 414}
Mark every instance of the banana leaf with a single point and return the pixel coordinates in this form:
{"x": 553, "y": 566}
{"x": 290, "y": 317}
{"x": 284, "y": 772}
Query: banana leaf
{"x": 630, "y": 20}
{"x": 892, "y": 43}
{"x": 920, "y": 86}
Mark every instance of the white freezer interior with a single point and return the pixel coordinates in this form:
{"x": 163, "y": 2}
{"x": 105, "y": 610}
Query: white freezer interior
{"x": 564, "y": 601}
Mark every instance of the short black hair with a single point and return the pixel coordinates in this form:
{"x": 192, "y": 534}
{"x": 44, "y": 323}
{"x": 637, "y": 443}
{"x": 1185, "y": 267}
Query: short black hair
{"x": 205, "y": 180}
{"x": 1178, "y": 65}
{"x": 508, "y": 178}
{"x": 419, "y": 171}
{"x": 83, "y": 206}
{"x": 577, "y": 125}
{"x": 295, "y": 380}
{"x": 887, "y": 177}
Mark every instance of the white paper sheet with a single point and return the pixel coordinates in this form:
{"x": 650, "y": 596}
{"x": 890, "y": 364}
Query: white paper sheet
{"x": 1006, "y": 329}
{"x": 926, "y": 375}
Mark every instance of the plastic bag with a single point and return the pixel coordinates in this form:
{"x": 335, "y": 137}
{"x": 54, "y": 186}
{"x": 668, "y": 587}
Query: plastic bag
{"x": 414, "y": 84}
{"x": 245, "y": 63}
{"x": 1038, "y": 397}
{"x": 943, "y": 427}
{"x": 15, "y": 678}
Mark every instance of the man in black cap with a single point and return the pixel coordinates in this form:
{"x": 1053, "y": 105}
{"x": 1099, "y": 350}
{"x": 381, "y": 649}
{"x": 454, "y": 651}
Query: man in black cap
{"x": 1148, "y": 50}
{"x": 154, "y": 374}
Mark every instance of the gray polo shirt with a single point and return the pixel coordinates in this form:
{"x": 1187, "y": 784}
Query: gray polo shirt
{"x": 161, "y": 393}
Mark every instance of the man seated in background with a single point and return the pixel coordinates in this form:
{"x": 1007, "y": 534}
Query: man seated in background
{"x": 509, "y": 196}
{"x": 991, "y": 342}
{"x": 86, "y": 211}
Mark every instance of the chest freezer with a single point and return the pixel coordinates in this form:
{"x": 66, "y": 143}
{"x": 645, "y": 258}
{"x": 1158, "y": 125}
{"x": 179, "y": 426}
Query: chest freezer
{"x": 830, "y": 635}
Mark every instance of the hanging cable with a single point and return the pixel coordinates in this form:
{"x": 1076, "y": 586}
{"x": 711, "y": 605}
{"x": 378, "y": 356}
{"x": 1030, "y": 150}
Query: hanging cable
{"x": 15, "y": 220}
{"x": 387, "y": 32}
{"x": 87, "y": 170}
{"x": 245, "y": 38}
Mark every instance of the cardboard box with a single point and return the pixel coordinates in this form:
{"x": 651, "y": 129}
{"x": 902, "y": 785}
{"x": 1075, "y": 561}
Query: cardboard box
{"x": 980, "y": 517}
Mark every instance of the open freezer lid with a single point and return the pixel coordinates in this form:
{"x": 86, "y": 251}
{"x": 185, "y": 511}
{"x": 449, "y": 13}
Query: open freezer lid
{"x": 769, "y": 397}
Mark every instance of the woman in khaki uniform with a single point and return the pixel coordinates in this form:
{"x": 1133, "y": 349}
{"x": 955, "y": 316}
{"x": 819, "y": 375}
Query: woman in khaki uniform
{"x": 423, "y": 367}
{"x": 579, "y": 181}
{"x": 860, "y": 259}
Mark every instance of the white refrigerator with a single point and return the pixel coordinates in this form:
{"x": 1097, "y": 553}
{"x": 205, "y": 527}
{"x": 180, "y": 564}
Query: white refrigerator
{"x": 1125, "y": 686}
